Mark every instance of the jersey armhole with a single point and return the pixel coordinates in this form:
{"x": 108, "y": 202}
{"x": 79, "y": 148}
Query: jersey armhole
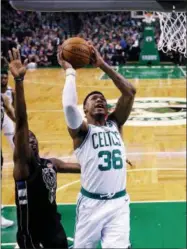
{"x": 48, "y": 161}
{"x": 83, "y": 142}
{"x": 114, "y": 123}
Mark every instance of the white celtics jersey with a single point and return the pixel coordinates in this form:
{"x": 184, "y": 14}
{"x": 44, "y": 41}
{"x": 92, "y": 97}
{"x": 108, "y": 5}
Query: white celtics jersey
{"x": 2, "y": 111}
{"x": 8, "y": 93}
{"x": 103, "y": 160}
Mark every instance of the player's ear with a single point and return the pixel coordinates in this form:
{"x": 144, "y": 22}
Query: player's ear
{"x": 85, "y": 109}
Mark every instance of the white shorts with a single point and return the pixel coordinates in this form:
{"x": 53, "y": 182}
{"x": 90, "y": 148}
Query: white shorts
{"x": 107, "y": 221}
{"x": 8, "y": 129}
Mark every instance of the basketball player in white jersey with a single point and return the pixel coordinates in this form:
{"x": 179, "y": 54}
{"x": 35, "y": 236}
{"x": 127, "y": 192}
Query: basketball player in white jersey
{"x": 103, "y": 205}
{"x": 7, "y": 108}
{"x": 8, "y": 125}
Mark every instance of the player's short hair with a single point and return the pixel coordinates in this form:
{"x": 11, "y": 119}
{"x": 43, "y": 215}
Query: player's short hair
{"x": 94, "y": 92}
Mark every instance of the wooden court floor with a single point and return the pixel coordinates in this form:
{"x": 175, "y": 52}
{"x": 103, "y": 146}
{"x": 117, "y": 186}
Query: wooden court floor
{"x": 157, "y": 152}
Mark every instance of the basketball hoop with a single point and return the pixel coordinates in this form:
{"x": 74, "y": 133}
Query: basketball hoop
{"x": 173, "y": 32}
{"x": 149, "y": 17}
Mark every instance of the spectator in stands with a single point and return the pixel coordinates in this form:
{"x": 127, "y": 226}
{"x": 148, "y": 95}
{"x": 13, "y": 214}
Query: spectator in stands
{"x": 32, "y": 62}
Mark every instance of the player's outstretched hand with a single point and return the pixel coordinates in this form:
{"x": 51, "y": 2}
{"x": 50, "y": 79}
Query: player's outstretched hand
{"x": 16, "y": 67}
{"x": 96, "y": 59}
{"x": 62, "y": 62}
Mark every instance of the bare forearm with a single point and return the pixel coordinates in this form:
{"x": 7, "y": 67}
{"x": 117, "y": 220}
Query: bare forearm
{"x": 20, "y": 107}
{"x": 63, "y": 167}
{"x": 69, "y": 168}
{"x": 125, "y": 87}
{"x": 22, "y": 152}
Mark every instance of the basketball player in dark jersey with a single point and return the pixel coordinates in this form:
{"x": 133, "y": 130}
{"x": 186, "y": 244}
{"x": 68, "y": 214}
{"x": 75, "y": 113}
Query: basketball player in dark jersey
{"x": 39, "y": 223}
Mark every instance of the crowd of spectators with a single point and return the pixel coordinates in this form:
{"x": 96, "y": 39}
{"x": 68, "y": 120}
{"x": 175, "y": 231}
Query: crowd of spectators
{"x": 116, "y": 35}
{"x": 37, "y": 35}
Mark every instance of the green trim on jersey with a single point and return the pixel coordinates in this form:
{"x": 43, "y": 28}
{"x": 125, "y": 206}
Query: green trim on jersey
{"x": 103, "y": 196}
{"x": 114, "y": 123}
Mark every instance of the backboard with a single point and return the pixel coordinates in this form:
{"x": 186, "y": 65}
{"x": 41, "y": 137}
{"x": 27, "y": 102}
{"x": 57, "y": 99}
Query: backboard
{"x": 98, "y": 5}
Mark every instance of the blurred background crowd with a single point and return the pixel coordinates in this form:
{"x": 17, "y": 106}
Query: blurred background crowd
{"x": 116, "y": 35}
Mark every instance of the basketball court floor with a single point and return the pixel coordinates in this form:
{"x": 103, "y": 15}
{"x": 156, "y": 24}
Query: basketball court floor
{"x": 155, "y": 138}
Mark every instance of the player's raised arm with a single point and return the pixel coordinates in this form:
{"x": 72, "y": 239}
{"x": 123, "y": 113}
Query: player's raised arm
{"x": 125, "y": 102}
{"x": 21, "y": 140}
{"x": 9, "y": 108}
{"x": 77, "y": 127}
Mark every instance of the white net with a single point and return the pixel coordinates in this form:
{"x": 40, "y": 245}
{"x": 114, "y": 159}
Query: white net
{"x": 173, "y": 32}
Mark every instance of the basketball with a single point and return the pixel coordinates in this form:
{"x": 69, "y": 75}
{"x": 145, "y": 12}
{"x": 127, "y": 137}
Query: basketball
{"x": 76, "y": 51}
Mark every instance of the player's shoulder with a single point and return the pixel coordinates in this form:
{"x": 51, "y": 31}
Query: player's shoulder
{"x": 9, "y": 91}
{"x": 4, "y": 98}
{"x": 9, "y": 88}
{"x": 37, "y": 168}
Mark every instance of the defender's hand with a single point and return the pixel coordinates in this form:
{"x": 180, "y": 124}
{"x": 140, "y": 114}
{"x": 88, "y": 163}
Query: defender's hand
{"x": 62, "y": 62}
{"x": 96, "y": 59}
{"x": 16, "y": 67}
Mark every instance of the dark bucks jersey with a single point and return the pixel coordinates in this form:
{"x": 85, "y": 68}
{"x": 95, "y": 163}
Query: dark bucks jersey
{"x": 36, "y": 202}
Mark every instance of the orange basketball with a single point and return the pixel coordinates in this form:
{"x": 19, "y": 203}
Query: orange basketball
{"x": 76, "y": 51}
